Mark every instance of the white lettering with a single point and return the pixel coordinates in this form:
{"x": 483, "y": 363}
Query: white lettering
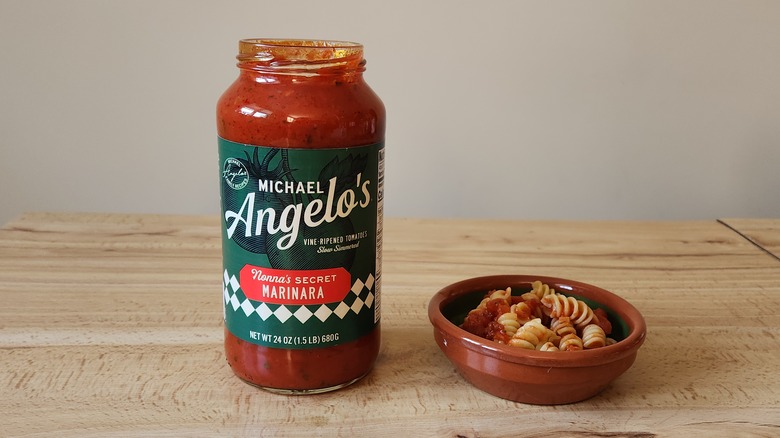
{"x": 293, "y": 293}
{"x": 288, "y": 222}
{"x": 249, "y": 206}
{"x": 291, "y": 187}
{"x": 289, "y": 225}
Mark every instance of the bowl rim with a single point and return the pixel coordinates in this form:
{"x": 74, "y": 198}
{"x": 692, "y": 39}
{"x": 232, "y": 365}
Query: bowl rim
{"x": 597, "y": 356}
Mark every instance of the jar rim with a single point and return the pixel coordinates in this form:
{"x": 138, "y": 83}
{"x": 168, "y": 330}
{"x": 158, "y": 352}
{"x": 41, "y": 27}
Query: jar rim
{"x": 299, "y": 55}
{"x": 300, "y": 43}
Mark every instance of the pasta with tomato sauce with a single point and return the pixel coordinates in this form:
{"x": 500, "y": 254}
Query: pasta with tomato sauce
{"x": 540, "y": 319}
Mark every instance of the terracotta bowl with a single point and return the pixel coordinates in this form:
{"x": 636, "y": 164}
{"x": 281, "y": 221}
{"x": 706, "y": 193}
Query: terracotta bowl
{"x": 529, "y": 376}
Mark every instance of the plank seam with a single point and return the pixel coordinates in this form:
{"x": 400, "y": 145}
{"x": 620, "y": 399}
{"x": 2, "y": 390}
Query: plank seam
{"x": 746, "y": 237}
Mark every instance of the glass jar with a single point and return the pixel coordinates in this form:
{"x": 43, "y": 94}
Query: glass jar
{"x": 301, "y": 154}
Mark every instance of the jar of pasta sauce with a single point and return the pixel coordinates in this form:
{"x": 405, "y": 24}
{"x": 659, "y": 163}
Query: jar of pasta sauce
{"x": 301, "y": 160}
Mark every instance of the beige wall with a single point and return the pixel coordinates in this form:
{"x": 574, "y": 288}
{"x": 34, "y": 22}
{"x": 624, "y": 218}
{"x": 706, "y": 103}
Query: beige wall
{"x": 624, "y": 109}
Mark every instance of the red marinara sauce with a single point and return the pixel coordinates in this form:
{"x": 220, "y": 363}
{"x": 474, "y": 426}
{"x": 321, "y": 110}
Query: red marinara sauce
{"x": 302, "y": 154}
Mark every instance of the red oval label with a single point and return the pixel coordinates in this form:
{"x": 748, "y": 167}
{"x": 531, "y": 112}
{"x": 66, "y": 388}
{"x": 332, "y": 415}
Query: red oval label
{"x": 283, "y": 286}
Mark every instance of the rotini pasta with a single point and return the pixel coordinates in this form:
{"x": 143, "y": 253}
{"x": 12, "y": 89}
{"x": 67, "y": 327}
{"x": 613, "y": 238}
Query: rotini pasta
{"x": 562, "y": 326}
{"x": 504, "y": 294}
{"x": 539, "y": 290}
{"x": 593, "y": 336}
{"x": 531, "y": 334}
{"x": 498, "y": 294}
{"x": 482, "y": 320}
{"x": 509, "y": 322}
{"x": 561, "y": 305}
{"x": 570, "y": 342}
{"x": 540, "y": 319}
{"x": 526, "y": 310}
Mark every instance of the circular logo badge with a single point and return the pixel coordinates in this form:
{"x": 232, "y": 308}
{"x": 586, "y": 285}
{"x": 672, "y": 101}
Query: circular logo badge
{"x": 235, "y": 174}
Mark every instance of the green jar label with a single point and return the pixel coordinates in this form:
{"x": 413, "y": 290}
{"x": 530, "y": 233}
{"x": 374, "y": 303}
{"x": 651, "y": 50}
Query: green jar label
{"x": 301, "y": 243}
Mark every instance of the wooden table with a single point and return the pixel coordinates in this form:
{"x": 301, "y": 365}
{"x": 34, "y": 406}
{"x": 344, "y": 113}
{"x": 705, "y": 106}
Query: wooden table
{"x": 111, "y": 325}
{"x": 764, "y": 233}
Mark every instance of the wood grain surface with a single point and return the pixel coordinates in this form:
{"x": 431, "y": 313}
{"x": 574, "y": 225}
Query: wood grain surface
{"x": 763, "y": 232}
{"x": 111, "y": 325}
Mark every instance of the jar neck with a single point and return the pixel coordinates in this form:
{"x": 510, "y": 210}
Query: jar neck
{"x": 300, "y": 57}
